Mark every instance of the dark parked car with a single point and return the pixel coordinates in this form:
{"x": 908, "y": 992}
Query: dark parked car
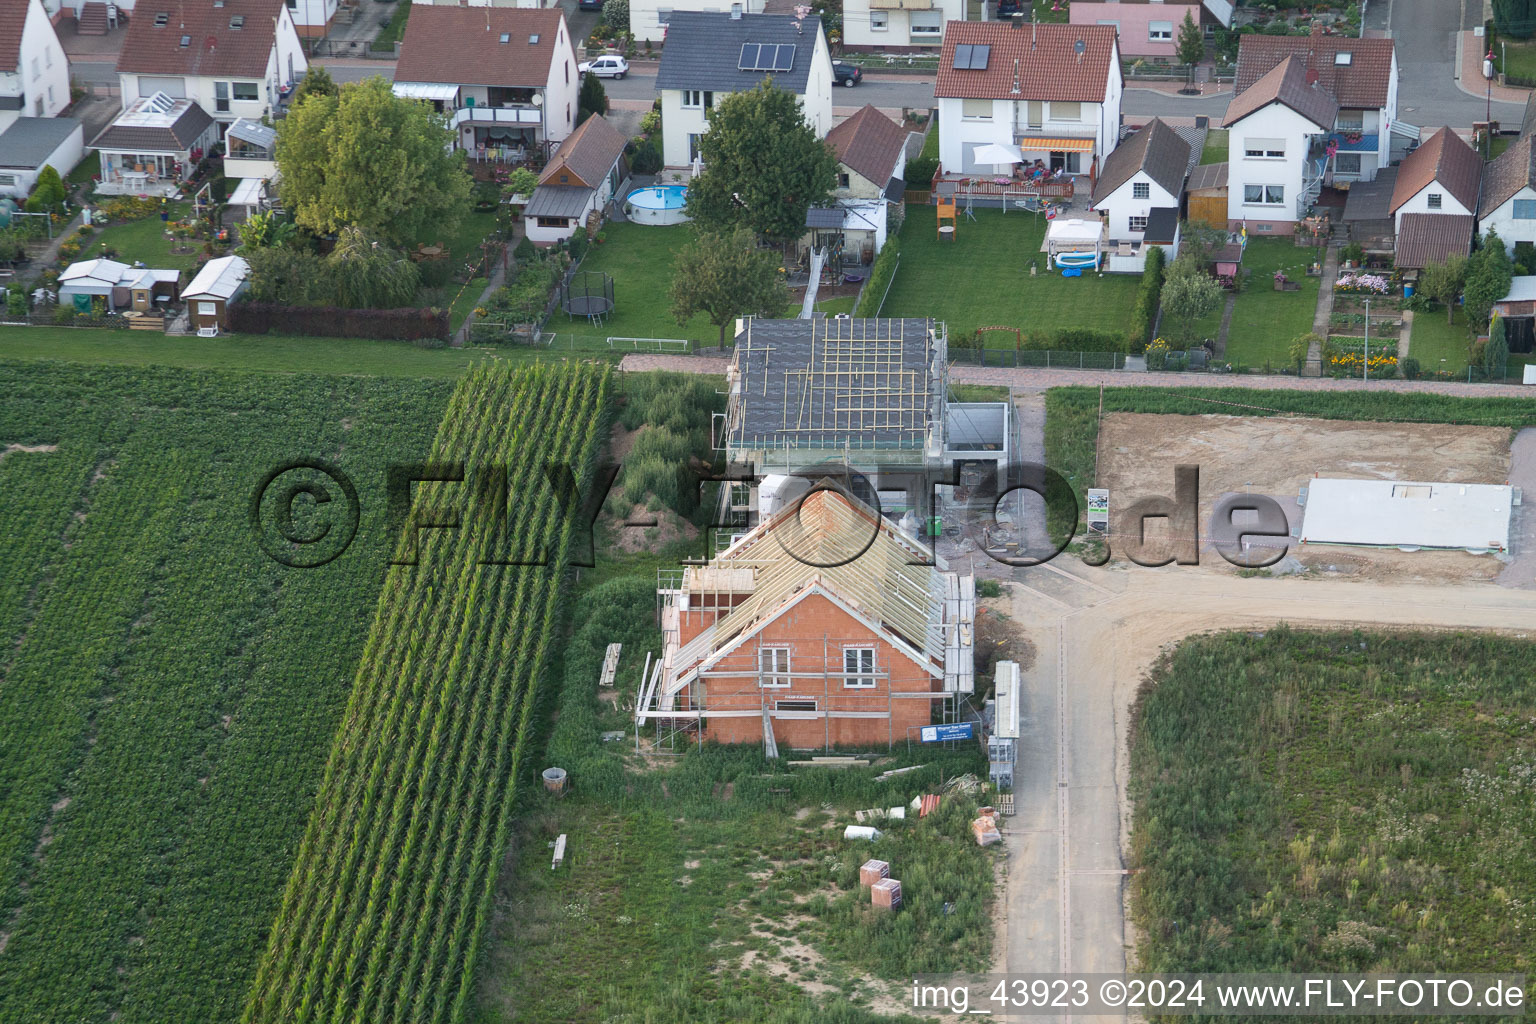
{"x": 1008, "y": 8}
{"x": 846, "y": 74}
{"x": 589, "y": 5}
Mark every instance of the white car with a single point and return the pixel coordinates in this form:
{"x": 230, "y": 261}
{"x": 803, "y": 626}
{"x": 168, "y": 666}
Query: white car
{"x": 610, "y": 66}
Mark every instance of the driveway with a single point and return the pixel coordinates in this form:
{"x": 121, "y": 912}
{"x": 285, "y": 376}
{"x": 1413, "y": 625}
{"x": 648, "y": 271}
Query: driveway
{"x": 1425, "y": 31}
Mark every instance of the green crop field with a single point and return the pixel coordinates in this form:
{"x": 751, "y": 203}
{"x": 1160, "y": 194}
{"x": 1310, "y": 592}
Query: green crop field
{"x": 387, "y": 902}
{"x": 168, "y": 692}
{"x": 1341, "y": 801}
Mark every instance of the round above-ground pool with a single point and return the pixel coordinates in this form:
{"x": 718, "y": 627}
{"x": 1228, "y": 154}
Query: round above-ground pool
{"x": 658, "y": 204}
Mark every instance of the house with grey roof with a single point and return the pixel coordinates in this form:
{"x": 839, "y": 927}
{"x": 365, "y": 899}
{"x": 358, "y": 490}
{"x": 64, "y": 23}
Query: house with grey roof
{"x": 1144, "y": 174}
{"x": 710, "y": 55}
{"x": 32, "y": 143}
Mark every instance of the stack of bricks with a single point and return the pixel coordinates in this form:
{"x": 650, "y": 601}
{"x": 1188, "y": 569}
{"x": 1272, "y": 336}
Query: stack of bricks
{"x": 872, "y": 871}
{"x": 984, "y": 828}
{"x": 886, "y": 894}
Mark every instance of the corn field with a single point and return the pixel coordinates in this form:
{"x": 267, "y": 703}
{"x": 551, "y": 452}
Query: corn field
{"x": 387, "y": 903}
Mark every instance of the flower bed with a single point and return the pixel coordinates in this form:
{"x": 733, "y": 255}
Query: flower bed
{"x": 1371, "y": 284}
{"x": 1347, "y": 357}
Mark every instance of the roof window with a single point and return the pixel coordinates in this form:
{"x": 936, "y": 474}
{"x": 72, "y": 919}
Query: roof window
{"x": 186, "y": 41}
{"x": 533, "y": 40}
{"x": 506, "y": 37}
{"x": 162, "y": 18}
{"x": 237, "y": 22}
{"x": 1343, "y": 57}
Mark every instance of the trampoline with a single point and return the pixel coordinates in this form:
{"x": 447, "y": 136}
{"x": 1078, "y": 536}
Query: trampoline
{"x": 587, "y": 294}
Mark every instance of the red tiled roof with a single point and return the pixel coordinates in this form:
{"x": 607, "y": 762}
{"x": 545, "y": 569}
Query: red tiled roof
{"x": 868, "y": 143}
{"x": 1443, "y": 157}
{"x": 462, "y": 46}
{"x": 1362, "y": 83}
{"x": 213, "y": 47}
{"x": 13, "y": 18}
{"x": 1430, "y": 237}
{"x": 1285, "y": 83}
{"x": 1042, "y": 59}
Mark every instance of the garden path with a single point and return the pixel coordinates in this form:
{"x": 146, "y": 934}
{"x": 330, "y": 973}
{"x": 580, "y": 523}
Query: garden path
{"x": 1226, "y": 324}
{"x": 1320, "y": 322}
{"x": 497, "y": 279}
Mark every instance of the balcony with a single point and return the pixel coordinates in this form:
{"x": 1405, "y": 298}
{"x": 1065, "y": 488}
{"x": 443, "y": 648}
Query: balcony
{"x": 517, "y": 113}
{"x": 1354, "y": 141}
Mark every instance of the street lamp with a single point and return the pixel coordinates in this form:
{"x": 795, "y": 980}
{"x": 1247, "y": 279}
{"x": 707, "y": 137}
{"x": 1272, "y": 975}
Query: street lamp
{"x": 1366, "y": 362}
{"x": 1488, "y": 104}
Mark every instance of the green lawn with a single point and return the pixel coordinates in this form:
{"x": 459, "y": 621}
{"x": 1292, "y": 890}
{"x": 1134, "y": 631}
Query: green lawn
{"x": 85, "y": 169}
{"x": 931, "y": 143}
{"x": 391, "y": 33}
{"x": 639, "y": 256}
{"x": 1517, "y": 57}
{"x": 982, "y": 278}
{"x": 1438, "y": 345}
{"x": 273, "y": 352}
{"x": 464, "y": 240}
{"x": 1264, "y": 321}
{"x": 1500, "y": 144}
{"x": 464, "y": 303}
{"x": 832, "y": 307}
{"x": 1215, "y": 150}
{"x": 145, "y": 240}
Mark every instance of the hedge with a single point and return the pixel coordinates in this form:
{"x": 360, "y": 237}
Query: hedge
{"x": 409, "y": 324}
{"x": 1150, "y": 298}
{"x": 1076, "y": 339}
{"x": 879, "y": 280}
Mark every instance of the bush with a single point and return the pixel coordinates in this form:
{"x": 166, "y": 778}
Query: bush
{"x": 920, "y": 172}
{"x": 525, "y": 250}
{"x": 1525, "y": 256}
{"x": 616, "y": 14}
{"x": 16, "y": 303}
{"x": 650, "y": 124}
{"x": 879, "y": 280}
{"x": 1149, "y": 298}
{"x": 1354, "y": 251}
{"x": 647, "y": 158}
{"x": 989, "y": 588}
{"x": 579, "y": 244}
{"x": 1411, "y": 368}
{"x": 330, "y": 321}
{"x": 1076, "y": 339}
{"x": 130, "y": 208}
{"x": 49, "y": 193}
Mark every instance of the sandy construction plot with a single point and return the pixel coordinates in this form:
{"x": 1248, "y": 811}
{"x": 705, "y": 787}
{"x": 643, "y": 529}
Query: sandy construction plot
{"x": 1278, "y": 455}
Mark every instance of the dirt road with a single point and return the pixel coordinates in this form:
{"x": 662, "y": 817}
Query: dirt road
{"x": 1097, "y": 631}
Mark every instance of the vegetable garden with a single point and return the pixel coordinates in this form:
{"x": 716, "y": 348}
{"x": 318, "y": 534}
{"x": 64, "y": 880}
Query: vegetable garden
{"x": 386, "y": 906}
{"x": 167, "y": 693}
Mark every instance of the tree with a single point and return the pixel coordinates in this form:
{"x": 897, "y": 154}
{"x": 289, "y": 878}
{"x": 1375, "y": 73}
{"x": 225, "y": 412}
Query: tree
{"x": 1189, "y": 294}
{"x": 1443, "y": 282}
{"x": 1488, "y": 275}
{"x": 316, "y": 82}
{"x": 616, "y": 15}
{"x": 366, "y": 275}
{"x": 265, "y": 229}
{"x": 293, "y": 277}
{"x": 593, "y": 98}
{"x": 1301, "y": 346}
{"x": 1514, "y": 18}
{"x": 1191, "y": 49}
{"x": 725, "y": 275}
{"x": 366, "y": 158}
{"x": 1496, "y": 352}
{"x": 49, "y": 193}
{"x": 763, "y": 166}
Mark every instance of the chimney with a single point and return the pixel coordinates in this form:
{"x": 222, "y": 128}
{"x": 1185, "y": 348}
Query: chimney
{"x": 735, "y": 12}
{"x": 1311, "y": 76}
{"x": 1317, "y": 31}
{"x": 1017, "y": 88}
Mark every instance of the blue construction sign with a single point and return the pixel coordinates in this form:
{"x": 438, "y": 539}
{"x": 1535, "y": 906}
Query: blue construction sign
{"x": 940, "y": 733}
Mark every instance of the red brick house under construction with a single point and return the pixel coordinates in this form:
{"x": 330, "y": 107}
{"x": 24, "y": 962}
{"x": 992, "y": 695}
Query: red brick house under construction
{"x": 821, "y": 628}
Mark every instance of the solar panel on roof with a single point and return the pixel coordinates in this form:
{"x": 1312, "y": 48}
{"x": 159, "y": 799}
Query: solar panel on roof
{"x": 979, "y": 54}
{"x": 963, "y": 56}
{"x": 784, "y": 58}
{"x": 749, "y": 57}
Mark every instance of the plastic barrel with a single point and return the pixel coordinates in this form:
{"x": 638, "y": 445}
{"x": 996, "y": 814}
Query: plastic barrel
{"x": 554, "y": 780}
{"x": 1407, "y": 291}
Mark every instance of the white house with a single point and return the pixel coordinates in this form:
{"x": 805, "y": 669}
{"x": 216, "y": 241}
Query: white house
{"x": 505, "y": 77}
{"x": 34, "y": 73}
{"x": 585, "y": 172}
{"x": 710, "y": 55}
{"x": 1145, "y": 173}
{"x": 1360, "y": 75}
{"x": 871, "y": 161}
{"x": 233, "y": 58}
{"x": 32, "y": 143}
{"x": 898, "y": 25}
{"x": 1275, "y": 161}
{"x": 1051, "y": 90}
{"x": 1508, "y": 201}
{"x": 153, "y": 146}
{"x": 311, "y": 18}
{"x": 649, "y": 20}
{"x": 1443, "y": 175}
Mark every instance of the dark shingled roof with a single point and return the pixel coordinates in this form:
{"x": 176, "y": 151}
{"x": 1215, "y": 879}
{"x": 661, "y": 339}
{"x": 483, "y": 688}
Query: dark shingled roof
{"x": 587, "y": 154}
{"x": 462, "y": 46}
{"x": 214, "y": 47}
{"x": 868, "y": 143}
{"x": 703, "y": 51}
{"x": 1162, "y": 225}
{"x": 1445, "y": 158}
{"x": 1157, "y": 149}
{"x": 31, "y": 140}
{"x": 1286, "y": 83}
{"x": 1371, "y": 200}
{"x": 1507, "y": 173}
{"x": 825, "y": 382}
{"x": 1360, "y": 84}
{"x": 1043, "y": 57}
{"x": 182, "y": 134}
{"x": 1428, "y": 238}
{"x": 557, "y": 201}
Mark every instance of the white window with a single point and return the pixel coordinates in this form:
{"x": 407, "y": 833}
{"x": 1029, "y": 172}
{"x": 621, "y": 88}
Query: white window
{"x": 1138, "y": 223}
{"x": 1525, "y": 209}
{"x": 1264, "y": 195}
{"x": 976, "y": 110}
{"x": 1433, "y": 200}
{"x": 879, "y": 21}
{"x": 246, "y": 90}
{"x": 663, "y": 15}
{"x": 221, "y": 97}
{"x": 1343, "y": 58}
{"x": 10, "y": 179}
{"x": 926, "y": 23}
{"x": 1112, "y": 24}
{"x": 859, "y": 666}
{"x": 773, "y": 666}
{"x": 1350, "y": 120}
{"x": 207, "y": 308}
{"x": 1066, "y": 111}
{"x": 1159, "y": 31}
{"x": 693, "y": 99}
{"x": 1264, "y": 149}
{"x": 1346, "y": 163}
{"x": 1141, "y": 190}
{"x": 50, "y": 95}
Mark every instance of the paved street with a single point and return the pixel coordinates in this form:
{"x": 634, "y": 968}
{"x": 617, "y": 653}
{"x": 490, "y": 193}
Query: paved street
{"x": 1426, "y": 58}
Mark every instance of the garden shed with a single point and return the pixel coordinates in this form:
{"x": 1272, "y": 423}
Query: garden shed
{"x": 1518, "y": 310}
{"x": 219, "y": 283}
{"x": 137, "y": 287}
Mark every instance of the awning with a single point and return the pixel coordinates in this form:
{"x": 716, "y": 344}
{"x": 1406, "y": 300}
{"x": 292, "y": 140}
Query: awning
{"x": 425, "y": 91}
{"x": 247, "y": 193}
{"x": 1056, "y": 145}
